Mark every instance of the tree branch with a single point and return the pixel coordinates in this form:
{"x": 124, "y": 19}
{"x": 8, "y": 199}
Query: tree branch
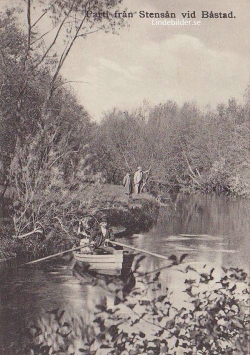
{"x": 43, "y": 35}
{"x": 65, "y": 54}
{"x": 70, "y": 81}
{"x": 29, "y": 33}
{"x": 55, "y": 37}
{"x": 37, "y": 230}
{"x": 61, "y": 225}
{"x": 39, "y": 18}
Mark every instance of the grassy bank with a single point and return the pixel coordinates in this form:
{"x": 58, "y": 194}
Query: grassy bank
{"x": 60, "y": 211}
{"x": 135, "y": 214}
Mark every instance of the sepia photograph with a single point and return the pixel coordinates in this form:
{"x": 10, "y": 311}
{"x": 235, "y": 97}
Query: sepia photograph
{"x": 124, "y": 177}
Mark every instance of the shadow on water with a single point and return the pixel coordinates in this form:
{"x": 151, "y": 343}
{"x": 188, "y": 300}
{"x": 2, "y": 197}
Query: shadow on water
{"x": 119, "y": 285}
{"x": 63, "y": 314}
{"x": 50, "y": 308}
{"x": 52, "y": 304}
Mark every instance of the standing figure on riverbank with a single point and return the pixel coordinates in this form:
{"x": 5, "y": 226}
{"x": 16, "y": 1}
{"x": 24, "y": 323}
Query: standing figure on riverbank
{"x": 138, "y": 180}
{"x": 128, "y": 186}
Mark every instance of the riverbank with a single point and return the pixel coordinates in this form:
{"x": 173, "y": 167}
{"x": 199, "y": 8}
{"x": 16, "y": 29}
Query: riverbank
{"x": 136, "y": 214}
{"x": 126, "y": 215}
{"x": 207, "y": 290}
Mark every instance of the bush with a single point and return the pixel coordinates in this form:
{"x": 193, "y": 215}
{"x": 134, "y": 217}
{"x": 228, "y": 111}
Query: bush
{"x": 214, "y": 320}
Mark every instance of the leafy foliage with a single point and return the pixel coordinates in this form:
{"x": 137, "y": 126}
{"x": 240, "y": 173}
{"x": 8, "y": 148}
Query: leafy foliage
{"x": 214, "y": 320}
{"x": 186, "y": 148}
{"x": 46, "y": 134}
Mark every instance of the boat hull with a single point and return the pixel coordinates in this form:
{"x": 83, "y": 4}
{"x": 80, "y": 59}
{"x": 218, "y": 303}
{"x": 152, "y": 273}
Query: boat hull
{"x": 103, "y": 261}
{"x": 100, "y": 261}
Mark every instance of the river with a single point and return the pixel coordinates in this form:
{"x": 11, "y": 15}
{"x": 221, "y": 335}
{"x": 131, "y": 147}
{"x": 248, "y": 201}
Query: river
{"x": 211, "y": 230}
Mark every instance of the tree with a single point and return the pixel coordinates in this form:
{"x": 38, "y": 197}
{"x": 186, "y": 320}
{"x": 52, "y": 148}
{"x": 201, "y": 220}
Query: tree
{"x": 47, "y": 32}
{"x": 49, "y": 131}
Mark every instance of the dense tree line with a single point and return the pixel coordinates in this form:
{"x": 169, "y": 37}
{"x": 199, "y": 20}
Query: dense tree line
{"x": 186, "y": 148}
{"x": 51, "y": 151}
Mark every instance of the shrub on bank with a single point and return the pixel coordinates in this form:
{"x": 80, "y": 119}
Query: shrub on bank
{"x": 213, "y": 320}
{"x": 57, "y": 212}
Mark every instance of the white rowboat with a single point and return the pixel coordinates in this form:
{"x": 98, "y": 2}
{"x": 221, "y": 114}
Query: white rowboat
{"x": 102, "y": 259}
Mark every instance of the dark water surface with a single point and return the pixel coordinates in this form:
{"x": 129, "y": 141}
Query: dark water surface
{"x": 211, "y": 230}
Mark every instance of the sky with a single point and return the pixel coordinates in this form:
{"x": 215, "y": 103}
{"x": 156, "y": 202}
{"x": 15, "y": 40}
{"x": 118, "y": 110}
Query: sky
{"x": 206, "y": 63}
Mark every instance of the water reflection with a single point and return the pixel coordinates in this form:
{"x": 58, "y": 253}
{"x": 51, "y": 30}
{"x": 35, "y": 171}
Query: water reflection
{"x": 213, "y": 231}
{"x": 63, "y": 314}
{"x": 119, "y": 285}
{"x": 44, "y": 300}
{"x": 209, "y": 228}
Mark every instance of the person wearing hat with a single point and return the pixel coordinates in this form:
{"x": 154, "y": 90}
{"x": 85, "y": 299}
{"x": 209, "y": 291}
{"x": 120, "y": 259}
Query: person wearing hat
{"x": 102, "y": 235}
{"x": 138, "y": 180}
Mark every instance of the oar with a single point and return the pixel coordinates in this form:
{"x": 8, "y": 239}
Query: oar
{"x": 54, "y": 255}
{"x": 140, "y": 250}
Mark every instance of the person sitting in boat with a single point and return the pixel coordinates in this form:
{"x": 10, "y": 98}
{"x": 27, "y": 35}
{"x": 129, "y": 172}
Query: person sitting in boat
{"x": 102, "y": 235}
{"x": 85, "y": 227}
{"x": 85, "y": 231}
